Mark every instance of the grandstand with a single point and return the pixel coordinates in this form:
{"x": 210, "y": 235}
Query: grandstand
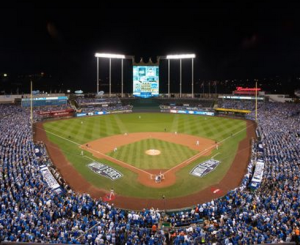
{"x": 33, "y": 211}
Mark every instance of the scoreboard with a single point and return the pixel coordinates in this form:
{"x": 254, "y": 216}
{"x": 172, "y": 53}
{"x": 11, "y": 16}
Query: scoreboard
{"x": 145, "y": 81}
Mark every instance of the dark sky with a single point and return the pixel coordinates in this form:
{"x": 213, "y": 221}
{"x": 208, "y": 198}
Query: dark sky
{"x": 231, "y": 39}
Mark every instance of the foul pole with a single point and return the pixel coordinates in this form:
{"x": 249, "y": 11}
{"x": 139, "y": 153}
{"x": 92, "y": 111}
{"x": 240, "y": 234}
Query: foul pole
{"x": 31, "y": 113}
{"x": 256, "y": 101}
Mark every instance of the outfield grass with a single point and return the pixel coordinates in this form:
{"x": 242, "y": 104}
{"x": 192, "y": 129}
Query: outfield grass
{"x": 171, "y": 154}
{"x": 92, "y": 128}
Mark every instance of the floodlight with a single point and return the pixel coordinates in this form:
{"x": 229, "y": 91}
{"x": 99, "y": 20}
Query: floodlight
{"x": 112, "y": 56}
{"x": 181, "y": 56}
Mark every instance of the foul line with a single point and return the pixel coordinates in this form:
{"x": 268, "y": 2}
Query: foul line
{"x": 120, "y": 162}
{"x": 216, "y": 155}
{"x": 204, "y": 151}
{"x": 89, "y": 158}
{"x": 105, "y": 156}
{"x": 60, "y": 137}
{"x": 140, "y": 170}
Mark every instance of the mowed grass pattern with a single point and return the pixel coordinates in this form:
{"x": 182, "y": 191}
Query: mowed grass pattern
{"x": 92, "y": 128}
{"x": 69, "y": 134}
{"x": 171, "y": 154}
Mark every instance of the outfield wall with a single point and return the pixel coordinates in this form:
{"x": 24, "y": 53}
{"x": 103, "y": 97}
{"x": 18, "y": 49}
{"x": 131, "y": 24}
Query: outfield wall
{"x": 203, "y": 113}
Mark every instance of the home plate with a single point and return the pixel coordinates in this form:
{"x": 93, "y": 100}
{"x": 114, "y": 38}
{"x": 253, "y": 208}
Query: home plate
{"x": 216, "y": 190}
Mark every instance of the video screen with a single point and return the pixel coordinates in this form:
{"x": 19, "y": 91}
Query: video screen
{"x": 145, "y": 81}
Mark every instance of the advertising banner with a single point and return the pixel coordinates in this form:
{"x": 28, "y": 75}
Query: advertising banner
{"x": 61, "y": 114}
{"x": 57, "y": 113}
{"x": 204, "y": 113}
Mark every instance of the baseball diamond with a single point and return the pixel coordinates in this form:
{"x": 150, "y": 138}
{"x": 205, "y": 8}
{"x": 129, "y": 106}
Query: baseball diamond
{"x": 224, "y": 139}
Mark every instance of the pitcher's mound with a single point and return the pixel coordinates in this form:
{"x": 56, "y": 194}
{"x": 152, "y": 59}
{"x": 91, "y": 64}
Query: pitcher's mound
{"x": 152, "y": 152}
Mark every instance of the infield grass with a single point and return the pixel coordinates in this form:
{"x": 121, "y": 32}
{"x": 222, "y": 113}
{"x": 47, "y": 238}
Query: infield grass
{"x": 170, "y": 154}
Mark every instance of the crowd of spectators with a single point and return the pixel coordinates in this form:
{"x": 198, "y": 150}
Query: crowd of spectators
{"x": 192, "y": 105}
{"x": 31, "y": 212}
{"x": 107, "y": 108}
{"x": 99, "y": 101}
{"x": 88, "y": 105}
{"x": 7, "y": 109}
{"x": 52, "y": 107}
{"x": 238, "y": 104}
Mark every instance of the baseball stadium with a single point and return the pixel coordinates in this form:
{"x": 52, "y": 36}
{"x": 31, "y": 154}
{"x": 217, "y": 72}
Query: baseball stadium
{"x": 149, "y": 167}
{"x": 145, "y": 152}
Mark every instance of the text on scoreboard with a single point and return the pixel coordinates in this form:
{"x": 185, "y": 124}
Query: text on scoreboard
{"x": 145, "y": 81}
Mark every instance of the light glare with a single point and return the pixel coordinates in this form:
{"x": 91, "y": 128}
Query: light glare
{"x": 113, "y": 56}
{"x": 181, "y": 56}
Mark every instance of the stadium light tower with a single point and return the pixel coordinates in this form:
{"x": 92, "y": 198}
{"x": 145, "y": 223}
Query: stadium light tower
{"x": 110, "y": 56}
{"x": 180, "y": 57}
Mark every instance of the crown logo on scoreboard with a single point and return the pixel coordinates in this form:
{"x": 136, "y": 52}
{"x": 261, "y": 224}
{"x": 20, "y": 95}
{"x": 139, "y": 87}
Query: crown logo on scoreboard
{"x": 149, "y": 63}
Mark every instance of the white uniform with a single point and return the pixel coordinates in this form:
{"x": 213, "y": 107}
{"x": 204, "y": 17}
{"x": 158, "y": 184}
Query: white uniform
{"x": 112, "y": 193}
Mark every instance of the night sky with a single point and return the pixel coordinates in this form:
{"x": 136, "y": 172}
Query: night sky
{"x": 231, "y": 39}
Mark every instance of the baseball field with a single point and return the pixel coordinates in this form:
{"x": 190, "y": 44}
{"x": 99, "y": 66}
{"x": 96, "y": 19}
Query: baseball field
{"x": 141, "y": 146}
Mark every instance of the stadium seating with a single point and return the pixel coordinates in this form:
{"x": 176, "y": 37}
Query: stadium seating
{"x": 30, "y": 211}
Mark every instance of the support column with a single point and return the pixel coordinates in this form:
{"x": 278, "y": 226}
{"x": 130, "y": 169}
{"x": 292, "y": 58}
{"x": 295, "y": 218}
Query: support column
{"x": 109, "y": 77}
{"x": 192, "y": 78}
{"x": 122, "y": 84}
{"x": 169, "y": 95}
{"x": 180, "y": 83}
{"x": 97, "y": 75}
